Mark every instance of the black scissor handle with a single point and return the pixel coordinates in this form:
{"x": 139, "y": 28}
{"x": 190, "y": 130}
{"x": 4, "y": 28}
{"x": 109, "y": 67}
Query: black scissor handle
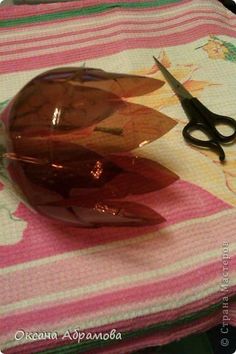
{"x": 201, "y": 118}
{"x": 230, "y": 122}
{"x": 210, "y": 144}
{"x": 198, "y": 113}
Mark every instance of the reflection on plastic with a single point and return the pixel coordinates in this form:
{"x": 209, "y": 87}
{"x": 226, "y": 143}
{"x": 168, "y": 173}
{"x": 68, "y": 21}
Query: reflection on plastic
{"x": 68, "y": 136}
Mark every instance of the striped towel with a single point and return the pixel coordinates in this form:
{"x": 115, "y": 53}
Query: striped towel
{"x": 147, "y": 285}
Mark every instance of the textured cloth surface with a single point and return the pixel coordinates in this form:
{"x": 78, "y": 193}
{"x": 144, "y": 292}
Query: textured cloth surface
{"x": 152, "y": 284}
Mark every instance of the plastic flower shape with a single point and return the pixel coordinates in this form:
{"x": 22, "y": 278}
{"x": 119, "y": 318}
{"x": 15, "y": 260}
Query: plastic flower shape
{"x": 69, "y": 134}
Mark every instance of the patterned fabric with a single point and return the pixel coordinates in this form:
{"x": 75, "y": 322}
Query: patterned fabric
{"x": 151, "y": 284}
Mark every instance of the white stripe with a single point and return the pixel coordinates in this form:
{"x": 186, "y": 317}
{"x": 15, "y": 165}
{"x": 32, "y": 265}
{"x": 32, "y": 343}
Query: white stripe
{"x": 111, "y": 245}
{"x": 110, "y": 38}
{"x": 123, "y": 312}
{"x": 182, "y": 265}
{"x": 142, "y": 309}
{"x": 138, "y": 24}
{"x": 13, "y": 82}
{"x": 80, "y": 292}
{"x": 44, "y": 29}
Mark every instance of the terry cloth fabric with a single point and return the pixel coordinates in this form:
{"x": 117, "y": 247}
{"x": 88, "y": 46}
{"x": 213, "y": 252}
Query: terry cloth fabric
{"x": 150, "y": 284}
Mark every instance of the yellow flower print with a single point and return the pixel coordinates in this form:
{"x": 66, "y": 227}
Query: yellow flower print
{"x": 228, "y": 167}
{"x": 222, "y": 175}
{"x": 165, "y": 96}
{"x": 215, "y": 49}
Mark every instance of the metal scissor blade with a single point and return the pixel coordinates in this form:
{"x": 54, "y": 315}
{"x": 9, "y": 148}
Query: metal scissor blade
{"x": 176, "y": 86}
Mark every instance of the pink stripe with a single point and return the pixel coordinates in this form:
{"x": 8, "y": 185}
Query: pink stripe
{"x": 167, "y": 315}
{"x": 31, "y": 38}
{"x": 42, "y": 9}
{"x": 83, "y": 19}
{"x": 233, "y": 313}
{"x": 125, "y": 31}
{"x": 98, "y": 51}
{"x": 12, "y": 12}
{"x": 161, "y": 337}
{"x": 132, "y": 324}
{"x": 138, "y": 294}
{"x": 26, "y": 284}
{"x": 44, "y": 238}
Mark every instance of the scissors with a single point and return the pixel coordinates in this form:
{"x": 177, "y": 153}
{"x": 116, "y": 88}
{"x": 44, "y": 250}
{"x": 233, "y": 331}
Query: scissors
{"x": 200, "y": 118}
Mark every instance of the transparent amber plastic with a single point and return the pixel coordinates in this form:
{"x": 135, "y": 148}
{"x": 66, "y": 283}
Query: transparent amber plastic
{"x": 68, "y": 136}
